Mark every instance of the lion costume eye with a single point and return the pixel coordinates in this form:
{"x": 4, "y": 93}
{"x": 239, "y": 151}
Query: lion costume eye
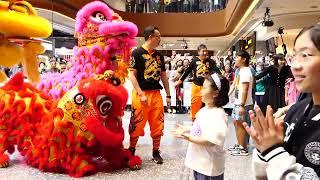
{"x": 98, "y": 16}
{"x": 115, "y": 81}
{"x": 104, "y": 105}
{"x": 79, "y": 99}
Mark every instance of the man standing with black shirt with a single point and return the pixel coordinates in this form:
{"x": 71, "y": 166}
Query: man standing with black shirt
{"x": 147, "y": 67}
{"x": 200, "y": 66}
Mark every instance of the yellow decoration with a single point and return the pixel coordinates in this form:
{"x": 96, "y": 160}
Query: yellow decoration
{"x": 19, "y": 23}
{"x": 14, "y": 23}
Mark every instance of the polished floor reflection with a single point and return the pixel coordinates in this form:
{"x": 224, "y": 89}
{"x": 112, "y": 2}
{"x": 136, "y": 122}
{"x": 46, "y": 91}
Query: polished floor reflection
{"x": 173, "y": 151}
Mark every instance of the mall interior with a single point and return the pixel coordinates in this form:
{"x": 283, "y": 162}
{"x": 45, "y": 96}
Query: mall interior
{"x": 229, "y": 89}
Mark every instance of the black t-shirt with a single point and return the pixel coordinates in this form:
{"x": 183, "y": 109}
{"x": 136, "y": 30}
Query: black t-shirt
{"x": 302, "y": 135}
{"x": 199, "y": 70}
{"x": 149, "y": 68}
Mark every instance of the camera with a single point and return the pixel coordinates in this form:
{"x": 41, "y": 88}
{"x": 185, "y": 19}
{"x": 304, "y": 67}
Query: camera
{"x": 267, "y": 19}
{"x": 184, "y": 45}
{"x": 268, "y": 23}
{"x": 280, "y": 30}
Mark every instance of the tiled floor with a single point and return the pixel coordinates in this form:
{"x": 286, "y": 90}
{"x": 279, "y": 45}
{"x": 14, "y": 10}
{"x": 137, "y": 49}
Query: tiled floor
{"x": 173, "y": 151}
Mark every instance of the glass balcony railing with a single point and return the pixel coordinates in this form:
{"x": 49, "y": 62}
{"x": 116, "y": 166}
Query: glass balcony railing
{"x": 174, "y": 6}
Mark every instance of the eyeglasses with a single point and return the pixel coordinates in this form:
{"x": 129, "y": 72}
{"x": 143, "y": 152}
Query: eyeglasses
{"x": 301, "y": 57}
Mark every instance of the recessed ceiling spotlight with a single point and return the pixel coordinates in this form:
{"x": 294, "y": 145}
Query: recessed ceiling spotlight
{"x": 314, "y": 7}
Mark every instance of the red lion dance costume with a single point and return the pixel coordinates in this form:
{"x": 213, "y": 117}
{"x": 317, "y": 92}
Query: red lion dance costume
{"x": 68, "y": 135}
{"x": 73, "y": 134}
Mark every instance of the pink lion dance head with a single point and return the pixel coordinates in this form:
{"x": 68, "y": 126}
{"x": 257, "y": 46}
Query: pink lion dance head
{"x": 97, "y": 24}
{"x": 104, "y": 43}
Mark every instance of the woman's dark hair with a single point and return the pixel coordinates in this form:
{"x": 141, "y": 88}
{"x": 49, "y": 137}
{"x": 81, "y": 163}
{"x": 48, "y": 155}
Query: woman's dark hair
{"x": 176, "y": 64}
{"x": 222, "y": 98}
{"x": 202, "y": 46}
{"x": 148, "y": 31}
{"x": 186, "y": 60}
{"x": 42, "y": 63}
{"x": 224, "y": 68}
{"x": 244, "y": 54}
{"x": 314, "y": 32}
{"x": 278, "y": 57}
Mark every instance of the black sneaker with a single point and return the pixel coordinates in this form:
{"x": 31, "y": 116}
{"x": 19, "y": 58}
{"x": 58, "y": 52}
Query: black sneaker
{"x": 156, "y": 157}
{"x": 132, "y": 150}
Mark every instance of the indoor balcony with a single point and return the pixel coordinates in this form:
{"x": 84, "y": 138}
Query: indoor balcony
{"x": 209, "y": 24}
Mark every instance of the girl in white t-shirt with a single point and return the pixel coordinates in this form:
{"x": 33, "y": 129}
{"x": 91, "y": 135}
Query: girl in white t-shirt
{"x": 205, "y": 154}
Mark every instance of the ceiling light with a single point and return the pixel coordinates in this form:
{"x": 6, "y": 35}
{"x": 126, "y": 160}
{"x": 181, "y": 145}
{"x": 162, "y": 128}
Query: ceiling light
{"x": 246, "y": 15}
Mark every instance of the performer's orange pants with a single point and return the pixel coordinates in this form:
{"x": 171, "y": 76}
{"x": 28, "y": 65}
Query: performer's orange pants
{"x": 152, "y": 111}
{"x": 196, "y": 100}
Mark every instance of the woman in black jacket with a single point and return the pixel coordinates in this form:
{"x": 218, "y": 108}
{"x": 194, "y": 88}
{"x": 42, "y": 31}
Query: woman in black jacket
{"x": 275, "y": 92}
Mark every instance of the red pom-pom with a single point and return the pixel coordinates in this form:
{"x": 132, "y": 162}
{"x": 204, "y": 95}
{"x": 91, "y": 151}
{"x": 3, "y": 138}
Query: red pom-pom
{"x": 135, "y": 163}
{"x": 4, "y": 160}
